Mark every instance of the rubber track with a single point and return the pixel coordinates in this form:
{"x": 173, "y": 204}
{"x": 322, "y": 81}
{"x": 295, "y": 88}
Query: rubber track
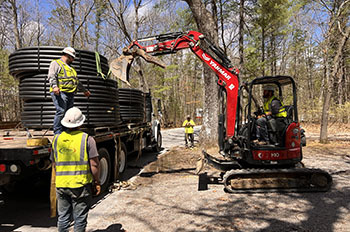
{"x": 302, "y": 171}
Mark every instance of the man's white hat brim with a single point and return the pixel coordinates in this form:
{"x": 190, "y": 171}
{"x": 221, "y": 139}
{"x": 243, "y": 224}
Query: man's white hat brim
{"x": 73, "y": 125}
{"x": 69, "y": 53}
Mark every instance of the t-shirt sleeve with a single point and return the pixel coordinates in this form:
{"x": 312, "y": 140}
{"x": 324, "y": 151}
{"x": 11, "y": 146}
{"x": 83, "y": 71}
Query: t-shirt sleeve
{"x": 54, "y": 69}
{"x": 92, "y": 149}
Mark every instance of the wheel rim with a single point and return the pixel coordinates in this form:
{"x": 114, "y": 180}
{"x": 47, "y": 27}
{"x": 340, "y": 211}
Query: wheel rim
{"x": 103, "y": 170}
{"x": 122, "y": 161}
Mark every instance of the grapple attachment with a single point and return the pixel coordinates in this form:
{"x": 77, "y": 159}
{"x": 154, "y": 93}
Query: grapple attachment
{"x": 120, "y": 66}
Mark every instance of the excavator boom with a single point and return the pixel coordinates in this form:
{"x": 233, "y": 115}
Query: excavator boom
{"x": 173, "y": 42}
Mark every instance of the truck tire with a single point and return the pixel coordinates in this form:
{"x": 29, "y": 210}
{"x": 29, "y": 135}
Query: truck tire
{"x": 158, "y": 145}
{"x": 122, "y": 159}
{"x": 105, "y": 168}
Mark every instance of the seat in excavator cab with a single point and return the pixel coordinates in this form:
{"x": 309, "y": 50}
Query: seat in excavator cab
{"x": 277, "y": 126}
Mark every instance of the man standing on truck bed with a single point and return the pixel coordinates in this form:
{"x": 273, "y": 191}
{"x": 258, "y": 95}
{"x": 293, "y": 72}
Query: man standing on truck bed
{"x": 76, "y": 163}
{"x": 63, "y": 84}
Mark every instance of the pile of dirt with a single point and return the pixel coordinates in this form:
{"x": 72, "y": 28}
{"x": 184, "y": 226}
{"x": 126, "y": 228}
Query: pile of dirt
{"x": 177, "y": 161}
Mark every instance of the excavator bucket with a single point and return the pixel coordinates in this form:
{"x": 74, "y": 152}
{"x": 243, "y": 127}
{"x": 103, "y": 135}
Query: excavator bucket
{"x": 120, "y": 66}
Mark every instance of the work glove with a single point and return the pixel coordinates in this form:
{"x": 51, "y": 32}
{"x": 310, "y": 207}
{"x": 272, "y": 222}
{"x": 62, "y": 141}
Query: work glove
{"x": 87, "y": 93}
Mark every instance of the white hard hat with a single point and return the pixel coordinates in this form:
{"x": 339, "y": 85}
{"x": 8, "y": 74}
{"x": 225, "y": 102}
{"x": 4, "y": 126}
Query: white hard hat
{"x": 269, "y": 87}
{"x": 73, "y": 118}
{"x": 70, "y": 51}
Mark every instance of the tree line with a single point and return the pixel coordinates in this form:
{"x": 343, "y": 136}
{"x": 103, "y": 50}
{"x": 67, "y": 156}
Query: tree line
{"x": 302, "y": 38}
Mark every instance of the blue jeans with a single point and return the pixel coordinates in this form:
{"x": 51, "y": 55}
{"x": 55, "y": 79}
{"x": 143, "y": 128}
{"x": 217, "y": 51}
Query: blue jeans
{"x": 261, "y": 129}
{"x": 62, "y": 103}
{"x": 73, "y": 203}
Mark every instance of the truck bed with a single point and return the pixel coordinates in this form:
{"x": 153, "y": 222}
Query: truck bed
{"x": 14, "y": 138}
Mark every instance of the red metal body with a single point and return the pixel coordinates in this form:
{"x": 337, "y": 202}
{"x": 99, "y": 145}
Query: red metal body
{"x": 292, "y": 149}
{"x": 228, "y": 77}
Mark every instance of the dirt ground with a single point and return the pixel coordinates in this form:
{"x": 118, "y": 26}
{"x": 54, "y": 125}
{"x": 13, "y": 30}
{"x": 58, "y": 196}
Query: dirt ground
{"x": 165, "y": 197}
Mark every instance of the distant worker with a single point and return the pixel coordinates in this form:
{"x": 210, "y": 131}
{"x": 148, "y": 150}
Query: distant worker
{"x": 189, "y": 124}
{"x": 63, "y": 85}
{"x": 76, "y": 163}
{"x": 273, "y": 109}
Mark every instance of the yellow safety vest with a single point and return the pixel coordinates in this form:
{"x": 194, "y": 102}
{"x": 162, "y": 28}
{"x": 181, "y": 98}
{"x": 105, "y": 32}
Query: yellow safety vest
{"x": 71, "y": 159}
{"x": 188, "y": 129}
{"x": 267, "y": 107}
{"x": 67, "y": 78}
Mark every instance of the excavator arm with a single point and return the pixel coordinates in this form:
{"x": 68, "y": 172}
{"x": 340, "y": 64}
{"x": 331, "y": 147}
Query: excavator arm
{"x": 173, "y": 42}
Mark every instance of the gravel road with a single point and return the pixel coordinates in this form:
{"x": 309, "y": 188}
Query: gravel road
{"x": 166, "y": 198}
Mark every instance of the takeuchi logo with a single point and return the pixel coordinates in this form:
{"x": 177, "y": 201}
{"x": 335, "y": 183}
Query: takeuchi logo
{"x": 65, "y": 150}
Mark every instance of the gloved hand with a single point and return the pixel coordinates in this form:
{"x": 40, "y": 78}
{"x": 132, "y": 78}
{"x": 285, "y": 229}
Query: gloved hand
{"x": 56, "y": 91}
{"x": 87, "y": 93}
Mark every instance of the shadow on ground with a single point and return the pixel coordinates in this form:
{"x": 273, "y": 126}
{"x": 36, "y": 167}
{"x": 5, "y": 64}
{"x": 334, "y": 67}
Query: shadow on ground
{"x": 112, "y": 228}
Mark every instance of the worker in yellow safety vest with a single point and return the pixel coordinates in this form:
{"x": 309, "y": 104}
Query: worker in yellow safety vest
{"x": 273, "y": 109}
{"x": 76, "y": 163}
{"x": 63, "y": 85}
{"x": 189, "y": 124}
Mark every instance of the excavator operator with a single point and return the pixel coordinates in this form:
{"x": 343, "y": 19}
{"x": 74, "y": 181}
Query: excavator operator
{"x": 274, "y": 117}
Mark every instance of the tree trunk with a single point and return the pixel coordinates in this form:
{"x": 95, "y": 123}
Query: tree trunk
{"x": 143, "y": 82}
{"x": 222, "y": 26}
{"x": 330, "y": 84}
{"x": 18, "y": 44}
{"x": 207, "y": 24}
{"x": 263, "y": 51}
{"x": 341, "y": 83}
{"x": 241, "y": 35}
{"x": 72, "y": 21}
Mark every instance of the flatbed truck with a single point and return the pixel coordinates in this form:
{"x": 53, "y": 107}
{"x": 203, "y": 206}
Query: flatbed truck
{"x": 18, "y": 161}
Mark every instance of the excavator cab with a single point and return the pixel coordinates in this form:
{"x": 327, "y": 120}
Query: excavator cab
{"x": 277, "y": 127}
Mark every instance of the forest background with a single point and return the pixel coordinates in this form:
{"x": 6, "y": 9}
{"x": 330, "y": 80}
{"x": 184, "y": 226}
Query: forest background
{"x": 306, "y": 39}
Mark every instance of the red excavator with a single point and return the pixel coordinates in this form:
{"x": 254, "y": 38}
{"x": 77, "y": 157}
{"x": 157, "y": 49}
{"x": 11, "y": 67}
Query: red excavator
{"x": 247, "y": 165}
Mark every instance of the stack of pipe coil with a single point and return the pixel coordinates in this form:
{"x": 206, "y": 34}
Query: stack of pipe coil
{"x": 149, "y": 110}
{"x": 132, "y": 105}
{"x": 31, "y": 65}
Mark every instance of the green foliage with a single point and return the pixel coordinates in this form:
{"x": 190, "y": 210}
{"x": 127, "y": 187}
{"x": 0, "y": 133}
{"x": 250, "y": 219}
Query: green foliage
{"x": 9, "y": 106}
{"x": 186, "y": 22}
